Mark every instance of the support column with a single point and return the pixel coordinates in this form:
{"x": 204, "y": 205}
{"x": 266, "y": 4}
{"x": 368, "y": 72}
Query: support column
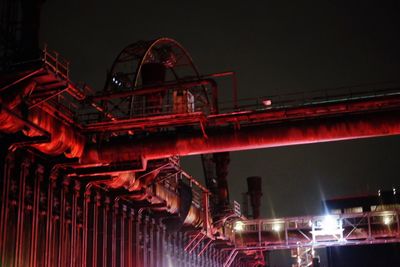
{"x": 131, "y": 237}
{"x": 151, "y": 244}
{"x": 122, "y": 235}
{"x": 138, "y": 239}
{"x": 145, "y": 243}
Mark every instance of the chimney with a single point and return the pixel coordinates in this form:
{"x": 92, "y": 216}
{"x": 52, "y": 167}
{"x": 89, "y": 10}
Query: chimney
{"x": 254, "y": 191}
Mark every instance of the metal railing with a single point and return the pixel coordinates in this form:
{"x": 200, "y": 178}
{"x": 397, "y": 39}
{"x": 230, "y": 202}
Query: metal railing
{"x": 314, "y": 97}
{"x": 55, "y": 62}
{"x": 316, "y": 231}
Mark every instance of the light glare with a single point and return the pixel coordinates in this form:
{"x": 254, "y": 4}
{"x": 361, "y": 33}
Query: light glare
{"x": 387, "y": 220}
{"x": 239, "y": 226}
{"x": 276, "y": 227}
{"x": 329, "y": 224}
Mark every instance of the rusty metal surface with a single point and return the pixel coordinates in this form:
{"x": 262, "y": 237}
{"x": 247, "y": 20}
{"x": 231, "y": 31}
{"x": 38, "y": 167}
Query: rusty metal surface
{"x": 50, "y": 219}
{"x": 251, "y": 137}
{"x": 117, "y": 178}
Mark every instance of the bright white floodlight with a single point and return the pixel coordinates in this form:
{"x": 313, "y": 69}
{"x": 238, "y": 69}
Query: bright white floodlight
{"x": 239, "y": 226}
{"x": 277, "y": 227}
{"x": 387, "y": 220}
{"x": 330, "y": 225}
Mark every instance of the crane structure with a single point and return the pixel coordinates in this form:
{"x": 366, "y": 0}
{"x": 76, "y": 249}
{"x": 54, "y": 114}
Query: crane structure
{"x": 93, "y": 178}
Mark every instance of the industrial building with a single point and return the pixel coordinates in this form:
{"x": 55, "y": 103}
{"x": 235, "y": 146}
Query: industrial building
{"x": 93, "y": 177}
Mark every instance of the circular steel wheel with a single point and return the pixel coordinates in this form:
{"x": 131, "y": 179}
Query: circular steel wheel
{"x": 125, "y": 73}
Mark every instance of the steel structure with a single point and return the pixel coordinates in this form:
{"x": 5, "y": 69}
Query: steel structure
{"x": 93, "y": 178}
{"x": 314, "y": 232}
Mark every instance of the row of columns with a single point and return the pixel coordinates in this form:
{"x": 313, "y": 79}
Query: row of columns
{"x": 49, "y": 219}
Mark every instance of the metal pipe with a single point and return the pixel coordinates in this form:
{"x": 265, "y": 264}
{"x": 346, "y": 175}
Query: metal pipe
{"x": 20, "y": 217}
{"x": 137, "y": 230}
{"x": 122, "y": 235}
{"x": 159, "y": 245}
{"x": 75, "y": 197}
{"x": 96, "y": 206}
{"x": 86, "y": 204}
{"x": 35, "y": 215}
{"x": 24, "y": 122}
{"x": 106, "y": 210}
{"x": 8, "y": 167}
{"x": 152, "y": 251}
{"x": 29, "y": 75}
{"x": 62, "y": 223}
{"x": 145, "y": 239}
{"x": 130, "y": 238}
{"x": 49, "y": 219}
{"x": 114, "y": 232}
{"x": 153, "y": 89}
{"x": 251, "y": 137}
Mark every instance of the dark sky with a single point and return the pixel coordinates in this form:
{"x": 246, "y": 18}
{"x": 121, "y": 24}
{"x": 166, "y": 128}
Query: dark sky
{"x": 275, "y": 48}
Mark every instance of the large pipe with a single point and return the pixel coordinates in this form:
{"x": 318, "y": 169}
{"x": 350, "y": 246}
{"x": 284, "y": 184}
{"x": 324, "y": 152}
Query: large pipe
{"x": 306, "y": 131}
{"x": 11, "y": 107}
{"x": 65, "y": 139}
{"x": 14, "y": 116}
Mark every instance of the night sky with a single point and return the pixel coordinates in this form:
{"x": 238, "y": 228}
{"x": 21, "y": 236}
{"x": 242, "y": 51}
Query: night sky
{"x": 274, "y": 48}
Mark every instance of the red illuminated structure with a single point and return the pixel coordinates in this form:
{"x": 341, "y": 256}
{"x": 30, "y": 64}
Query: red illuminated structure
{"x": 87, "y": 169}
{"x": 92, "y": 178}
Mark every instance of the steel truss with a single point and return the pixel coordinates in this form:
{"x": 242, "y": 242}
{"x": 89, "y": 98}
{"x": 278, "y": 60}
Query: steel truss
{"x": 311, "y": 232}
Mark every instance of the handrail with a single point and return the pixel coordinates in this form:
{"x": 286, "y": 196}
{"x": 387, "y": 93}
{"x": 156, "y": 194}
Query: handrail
{"x": 313, "y": 231}
{"x": 314, "y": 97}
{"x": 57, "y": 63}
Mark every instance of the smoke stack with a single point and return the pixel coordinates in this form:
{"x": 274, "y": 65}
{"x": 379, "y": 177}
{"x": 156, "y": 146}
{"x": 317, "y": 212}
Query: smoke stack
{"x": 254, "y": 190}
{"x": 222, "y": 160}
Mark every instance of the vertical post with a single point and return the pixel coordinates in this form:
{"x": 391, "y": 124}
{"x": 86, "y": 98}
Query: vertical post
{"x": 130, "y": 247}
{"x": 214, "y": 92}
{"x": 138, "y": 237}
{"x": 75, "y": 196}
{"x": 205, "y": 212}
{"x": 49, "y": 220}
{"x": 7, "y": 172}
{"x": 369, "y": 226}
{"x": 122, "y": 235}
{"x": 21, "y": 207}
{"x": 286, "y": 225}
{"x": 156, "y": 252}
{"x": 61, "y": 226}
{"x": 35, "y": 215}
{"x": 398, "y": 223}
{"x": 152, "y": 251}
{"x": 86, "y": 223}
{"x": 312, "y": 230}
{"x": 235, "y": 91}
{"x": 114, "y": 233}
{"x": 96, "y": 207}
{"x": 106, "y": 210}
{"x": 145, "y": 241}
{"x": 165, "y": 250}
